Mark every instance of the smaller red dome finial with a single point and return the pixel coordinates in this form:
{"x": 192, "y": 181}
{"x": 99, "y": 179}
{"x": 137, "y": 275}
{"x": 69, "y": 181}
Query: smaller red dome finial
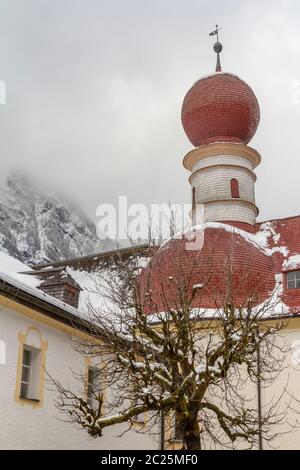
{"x": 217, "y": 48}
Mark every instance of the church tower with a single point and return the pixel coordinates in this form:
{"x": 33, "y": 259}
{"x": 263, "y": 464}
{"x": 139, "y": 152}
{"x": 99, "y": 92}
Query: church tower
{"x": 220, "y": 115}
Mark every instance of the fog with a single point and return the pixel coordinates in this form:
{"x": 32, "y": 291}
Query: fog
{"x": 94, "y": 92}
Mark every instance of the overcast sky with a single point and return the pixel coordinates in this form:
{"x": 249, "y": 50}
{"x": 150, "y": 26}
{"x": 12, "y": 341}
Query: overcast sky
{"x": 94, "y": 91}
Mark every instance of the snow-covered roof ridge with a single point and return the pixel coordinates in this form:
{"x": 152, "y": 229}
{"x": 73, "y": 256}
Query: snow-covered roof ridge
{"x": 260, "y": 239}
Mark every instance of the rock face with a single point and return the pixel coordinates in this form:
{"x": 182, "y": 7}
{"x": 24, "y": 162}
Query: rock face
{"x": 37, "y": 228}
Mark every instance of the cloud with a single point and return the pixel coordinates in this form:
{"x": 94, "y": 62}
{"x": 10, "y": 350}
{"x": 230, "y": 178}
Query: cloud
{"x": 94, "y": 92}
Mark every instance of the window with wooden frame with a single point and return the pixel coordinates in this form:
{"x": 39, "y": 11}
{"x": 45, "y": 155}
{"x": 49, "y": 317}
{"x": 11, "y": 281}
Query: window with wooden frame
{"x": 293, "y": 280}
{"x": 234, "y": 185}
{"x": 31, "y": 369}
{"x": 178, "y": 432}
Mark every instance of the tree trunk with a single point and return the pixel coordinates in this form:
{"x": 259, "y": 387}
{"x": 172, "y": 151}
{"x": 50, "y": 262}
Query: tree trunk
{"x": 191, "y": 435}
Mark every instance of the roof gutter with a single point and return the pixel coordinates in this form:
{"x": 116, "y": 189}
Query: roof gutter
{"x": 16, "y": 293}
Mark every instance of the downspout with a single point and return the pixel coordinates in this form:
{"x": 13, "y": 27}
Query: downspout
{"x": 259, "y": 405}
{"x": 162, "y": 430}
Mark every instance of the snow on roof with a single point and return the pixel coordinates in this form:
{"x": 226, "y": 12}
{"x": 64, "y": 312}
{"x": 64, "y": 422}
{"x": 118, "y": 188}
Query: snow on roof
{"x": 276, "y": 239}
{"x": 265, "y": 239}
{"x": 96, "y": 284}
{"x": 9, "y": 273}
{"x": 12, "y": 267}
{"x": 271, "y": 237}
{"x": 10, "y": 264}
{"x": 278, "y": 306}
{"x": 288, "y": 230}
{"x": 91, "y": 284}
{"x": 260, "y": 239}
{"x": 293, "y": 262}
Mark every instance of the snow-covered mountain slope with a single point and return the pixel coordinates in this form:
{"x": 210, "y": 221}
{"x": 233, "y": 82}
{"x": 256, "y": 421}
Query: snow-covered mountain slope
{"x": 37, "y": 228}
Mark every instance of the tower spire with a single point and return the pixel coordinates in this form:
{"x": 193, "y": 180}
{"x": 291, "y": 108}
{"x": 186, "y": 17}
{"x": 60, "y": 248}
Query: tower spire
{"x": 217, "y": 47}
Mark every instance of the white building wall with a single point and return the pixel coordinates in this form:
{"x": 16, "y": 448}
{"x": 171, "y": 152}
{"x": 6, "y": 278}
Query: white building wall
{"x": 213, "y": 183}
{"x": 223, "y": 159}
{"x": 25, "y": 427}
{"x": 231, "y": 211}
{"x": 288, "y": 384}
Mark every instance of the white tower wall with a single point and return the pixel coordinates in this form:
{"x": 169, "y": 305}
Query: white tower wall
{"x": 213, "y": 167}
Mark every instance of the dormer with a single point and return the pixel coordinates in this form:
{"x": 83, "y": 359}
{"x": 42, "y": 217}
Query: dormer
{"x": 58, "y": 283}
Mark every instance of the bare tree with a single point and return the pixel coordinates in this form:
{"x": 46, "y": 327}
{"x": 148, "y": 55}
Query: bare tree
{"x": 159, "y": 352}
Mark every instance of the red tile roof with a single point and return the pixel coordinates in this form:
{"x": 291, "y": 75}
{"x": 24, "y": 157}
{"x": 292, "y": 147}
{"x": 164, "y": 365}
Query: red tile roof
{"x": 258, "y": 256}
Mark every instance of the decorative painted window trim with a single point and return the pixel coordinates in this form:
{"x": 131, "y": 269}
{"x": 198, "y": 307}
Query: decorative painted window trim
{"x": 42, "y": 345}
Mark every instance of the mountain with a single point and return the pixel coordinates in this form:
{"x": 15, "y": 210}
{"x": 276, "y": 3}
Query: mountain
{"x": 37, "y": 228}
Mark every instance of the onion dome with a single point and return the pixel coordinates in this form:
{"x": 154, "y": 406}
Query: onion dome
{"x": 228, "y": 266}
{"x": 220, "y": 108}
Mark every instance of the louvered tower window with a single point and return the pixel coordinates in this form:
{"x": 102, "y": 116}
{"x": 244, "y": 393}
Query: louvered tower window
{"x": 234, "y": 184}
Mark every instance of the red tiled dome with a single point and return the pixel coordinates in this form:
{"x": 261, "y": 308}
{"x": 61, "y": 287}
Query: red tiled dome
{"x": 223, "y": 254}
{"x": 220, "y": 108}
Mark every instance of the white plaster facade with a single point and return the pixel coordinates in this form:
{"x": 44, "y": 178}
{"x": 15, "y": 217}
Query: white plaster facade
{"x": 26, "y": 426}
{"x": 289, "y": 379}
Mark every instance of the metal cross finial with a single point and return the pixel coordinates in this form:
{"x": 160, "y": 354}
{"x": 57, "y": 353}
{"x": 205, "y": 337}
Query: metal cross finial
{"x": 217, "y": 47}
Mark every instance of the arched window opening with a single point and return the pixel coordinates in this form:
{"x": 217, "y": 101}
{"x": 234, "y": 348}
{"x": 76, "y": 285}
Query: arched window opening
{"x": 235, "y": 193}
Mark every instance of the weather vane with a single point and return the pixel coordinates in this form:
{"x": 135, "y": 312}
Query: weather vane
{"x": 217, "y": 47}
